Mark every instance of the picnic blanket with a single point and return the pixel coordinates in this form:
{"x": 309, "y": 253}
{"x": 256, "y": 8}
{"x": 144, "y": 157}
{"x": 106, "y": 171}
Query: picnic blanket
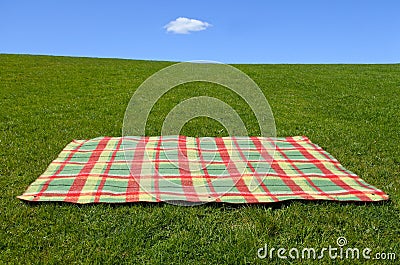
{"x": 179, "y": 168}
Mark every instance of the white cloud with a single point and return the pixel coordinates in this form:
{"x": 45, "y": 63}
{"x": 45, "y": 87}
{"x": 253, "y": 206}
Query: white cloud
{"x": 183, "y": 25}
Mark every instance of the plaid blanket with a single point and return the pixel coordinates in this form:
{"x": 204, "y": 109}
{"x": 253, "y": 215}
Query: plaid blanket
{"x": 178, "y": 168}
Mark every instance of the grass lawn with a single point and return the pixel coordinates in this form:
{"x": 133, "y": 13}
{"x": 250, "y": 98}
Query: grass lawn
{"x": 352, "y": 111}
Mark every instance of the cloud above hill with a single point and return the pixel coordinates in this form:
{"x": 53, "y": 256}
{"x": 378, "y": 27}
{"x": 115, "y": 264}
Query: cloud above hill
{"x": 183, "y": 25}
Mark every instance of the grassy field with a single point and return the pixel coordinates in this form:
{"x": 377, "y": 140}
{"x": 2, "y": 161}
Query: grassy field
{"x": 352, "y": 111}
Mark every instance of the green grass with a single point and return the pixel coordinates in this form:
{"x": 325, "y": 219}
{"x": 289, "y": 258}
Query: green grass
{"x": 352, "y": 111}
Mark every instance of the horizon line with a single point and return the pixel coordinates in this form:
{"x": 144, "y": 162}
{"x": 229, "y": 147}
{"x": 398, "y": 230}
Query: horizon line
{"x": 179, "y": 61}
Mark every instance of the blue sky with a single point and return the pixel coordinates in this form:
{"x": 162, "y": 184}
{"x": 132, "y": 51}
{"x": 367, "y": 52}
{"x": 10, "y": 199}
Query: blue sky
{"x": 340, "y": 31}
